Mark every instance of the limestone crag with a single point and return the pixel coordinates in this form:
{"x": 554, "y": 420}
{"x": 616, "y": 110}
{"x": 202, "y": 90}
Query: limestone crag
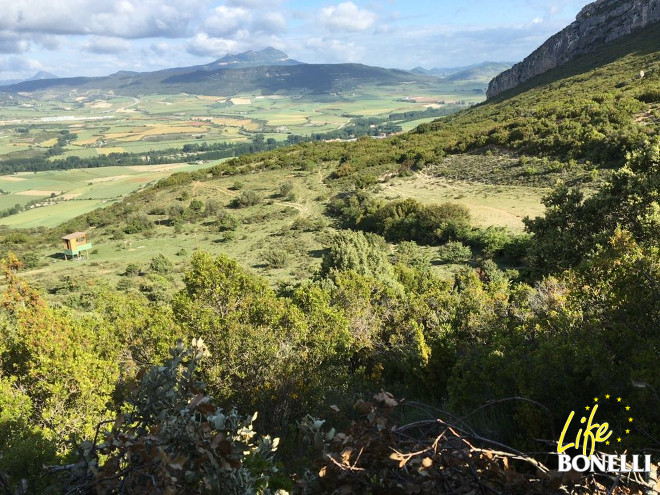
{"x": 597, "y": 24}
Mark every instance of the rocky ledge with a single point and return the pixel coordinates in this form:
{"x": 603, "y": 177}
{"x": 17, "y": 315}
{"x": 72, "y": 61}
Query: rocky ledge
{"x": 597, "y": 24}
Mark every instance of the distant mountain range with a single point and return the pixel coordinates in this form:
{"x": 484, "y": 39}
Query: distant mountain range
{"x": 37, "y": 77}
{"x": 482, "y": 72}
{"x": 273, "y": 79}
{"x": 269, "y": 71}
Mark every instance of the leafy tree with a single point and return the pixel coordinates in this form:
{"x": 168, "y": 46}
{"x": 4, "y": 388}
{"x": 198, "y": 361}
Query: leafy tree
{"x": 243, "y": 323}
{"x": 226, "y": 221}
{"x": 360, "y": 253}
{"x": 160, "y": 264}
{"x": 286, "y": 188}
{"x": 404, "y": 219}
{"x": 172, "y": 438}
{"x": 246, "y": 198}
{"x": 454, "y": 252}
{"x": 59, "y": 373}
{"x": 196, "y": 205}
{"x": 132, "y": 270}
{"x": 574, "y": 226}
{"x": 410, "y": 254}
{"x": 137, "y": 224}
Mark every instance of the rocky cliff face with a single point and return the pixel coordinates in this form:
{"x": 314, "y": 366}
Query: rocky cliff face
{"x": 598, "y": 23}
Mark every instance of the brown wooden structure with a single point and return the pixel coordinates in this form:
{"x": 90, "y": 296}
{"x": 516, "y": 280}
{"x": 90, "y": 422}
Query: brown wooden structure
{"x": 75, "y": 244}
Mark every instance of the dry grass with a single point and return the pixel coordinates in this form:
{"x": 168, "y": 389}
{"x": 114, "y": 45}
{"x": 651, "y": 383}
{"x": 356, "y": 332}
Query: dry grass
{"x": 108, "y": 179}
{"x": 156, "y": 168}
{"x": 36, "y": 192}
{"x": 107, "y": 151}
{"x": 158, "y": 130}
{"x": 504, "y": 206}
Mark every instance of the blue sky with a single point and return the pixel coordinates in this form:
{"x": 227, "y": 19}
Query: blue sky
{"x": 99, "y": 37}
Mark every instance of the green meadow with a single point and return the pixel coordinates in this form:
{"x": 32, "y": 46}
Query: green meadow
{"x": 65, "y": 194}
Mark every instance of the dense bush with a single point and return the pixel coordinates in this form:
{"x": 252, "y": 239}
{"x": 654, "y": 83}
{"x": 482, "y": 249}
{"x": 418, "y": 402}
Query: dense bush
{"x": 160, "y": 264}
{"x": 573, "y": 226}
{"x": 402, "y": 220}
{"x": 226, "y": 221}
{"x": 245, "y": 199}
{"x": 137, "y": 224}
{"x": 454, "y": 252}
{"x": 171, "y": 438}
{"x": 276, "y": 258}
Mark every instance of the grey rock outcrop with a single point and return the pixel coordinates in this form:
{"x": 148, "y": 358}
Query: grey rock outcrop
{"x": 597, "y": 24}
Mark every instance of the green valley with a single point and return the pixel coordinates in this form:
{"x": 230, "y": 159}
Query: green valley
{"x": 415, "y": 311}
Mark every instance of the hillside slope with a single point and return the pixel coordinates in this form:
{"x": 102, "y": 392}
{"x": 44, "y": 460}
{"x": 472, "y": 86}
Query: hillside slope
{"x": 597, "y": 24}
{"x": 563, "y": 126}
{"x": 595, "y": 107}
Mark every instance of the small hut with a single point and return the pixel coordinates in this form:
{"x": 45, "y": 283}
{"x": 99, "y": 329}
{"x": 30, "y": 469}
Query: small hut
{"x": 75, "y": 244}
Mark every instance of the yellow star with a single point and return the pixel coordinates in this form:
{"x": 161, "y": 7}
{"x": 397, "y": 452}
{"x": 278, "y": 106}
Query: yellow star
{"x": 607, "y": 443}
{"x": 629, "y": 420}
{"x": 627, "y": 432}
{"x": 618, "y": 399}
{"x": 595, "y": 399}
{"x": 618, "y": 439}
{"x": 607, "y": 396}
{"x": 587, "y": 408}
{"x": 627, "y": 408}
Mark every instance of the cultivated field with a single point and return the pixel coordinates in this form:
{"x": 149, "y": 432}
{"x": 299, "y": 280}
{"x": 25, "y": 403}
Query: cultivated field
{"x": 100, "y": 124}
{"x": 65, "y": 194}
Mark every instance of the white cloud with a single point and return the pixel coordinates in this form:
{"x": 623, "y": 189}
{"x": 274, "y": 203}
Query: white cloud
{"x": 159, "y": 49}
{"x": 12, "y": 43}
{"x": 262, "y": 4}
{"x": 123, "y": 18}
{"x": 225, "y": 21}
{"x": 347, "y": 17}
{"x": 271, "y": 22}
{"x": 19, "y": 65}
{"x": 102, "y": 44}
{"x": 83, "y": 37}
{"x": 48, "y": 41}
{"x": 334, "y": 50}
{"x": 204, "y": 46}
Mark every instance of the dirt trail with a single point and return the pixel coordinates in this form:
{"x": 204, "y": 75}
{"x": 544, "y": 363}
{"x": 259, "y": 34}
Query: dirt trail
{"x": 298, "y": 206}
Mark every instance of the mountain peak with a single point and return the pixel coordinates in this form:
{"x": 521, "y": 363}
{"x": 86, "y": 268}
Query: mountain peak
{"x": 251, "y": 58}
{"x": 42, "y": 75}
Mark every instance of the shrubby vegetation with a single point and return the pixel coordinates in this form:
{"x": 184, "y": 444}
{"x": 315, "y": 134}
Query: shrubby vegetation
{"x": 574, "y": 226}
{"x": 454, "y": 251}
{"x": 402, "y": 220}
{"x": 365, "y": 323}
{"x": 100, "y": 382}
{"x": 429, "y": 224}
{"x": 171, "y": 438}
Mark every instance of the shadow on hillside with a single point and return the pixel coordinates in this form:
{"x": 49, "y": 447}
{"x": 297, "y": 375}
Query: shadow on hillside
{"x": 317, "y": 253}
